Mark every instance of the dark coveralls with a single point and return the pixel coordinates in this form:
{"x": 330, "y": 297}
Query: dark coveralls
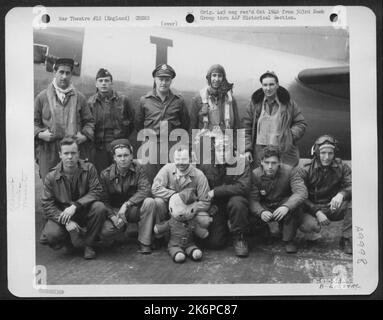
{"x": 323, "y": 184}
{"x": 64, "y": 119}
{"x": 230, "y": 200}
{"x": 113, "y": 120}
{"x": 135, "y": 187}
{"x": 85, "y": 192}
{"x": 151, "y": 112}
{"x": 286, "y": 188}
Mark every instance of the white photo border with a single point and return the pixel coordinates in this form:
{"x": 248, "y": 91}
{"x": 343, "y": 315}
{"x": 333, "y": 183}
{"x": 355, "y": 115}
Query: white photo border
{"x": 20, "y": 164}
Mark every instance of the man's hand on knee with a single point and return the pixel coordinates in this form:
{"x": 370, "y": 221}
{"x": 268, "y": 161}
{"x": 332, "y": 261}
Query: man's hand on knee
{"x": 266, "y": 216}
{"x": 280, "y": 213}
{"x": 122, "y": 212}
{"x": 72, "y": 226}
{"x": 117, "y": 222}
{"x": 322, "y": 218}
{"x": 336, "y": 202}
{"x": 67, "y": 214}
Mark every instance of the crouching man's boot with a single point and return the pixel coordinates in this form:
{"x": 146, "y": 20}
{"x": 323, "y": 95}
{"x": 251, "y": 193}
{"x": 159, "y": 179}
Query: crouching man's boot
{"x": 290, "y": 246}
{"x": 346, "y": 245}
{"x": 89, "y": 253}
{"x": 240, "y": 245}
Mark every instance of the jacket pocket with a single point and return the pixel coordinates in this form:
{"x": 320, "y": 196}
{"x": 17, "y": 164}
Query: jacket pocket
{"x": 46, "y": 112}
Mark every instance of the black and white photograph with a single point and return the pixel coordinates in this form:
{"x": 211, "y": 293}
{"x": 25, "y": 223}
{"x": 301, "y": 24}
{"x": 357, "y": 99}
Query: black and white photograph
{"x": 214, "y": 150}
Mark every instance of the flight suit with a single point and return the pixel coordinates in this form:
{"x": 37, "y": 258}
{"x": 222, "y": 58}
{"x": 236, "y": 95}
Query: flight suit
{"x": 85, "y": 192}
{"x": 323, "y": 183}
{"x": 230, "y": 199}
{"x": 285, "y": 188}
{"x": 151, "y": 112}
{"x": 113, "y": 120}
{"x": 61, "y": 119}
{"x": 215, "y": 117}
{"x": 135, "y": 187}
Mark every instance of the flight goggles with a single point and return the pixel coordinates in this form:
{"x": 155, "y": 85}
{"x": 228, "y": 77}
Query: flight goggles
{"x": 326, "y": 138}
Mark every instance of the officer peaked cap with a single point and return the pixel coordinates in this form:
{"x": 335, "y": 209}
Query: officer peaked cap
{"x": 164, "y": 70}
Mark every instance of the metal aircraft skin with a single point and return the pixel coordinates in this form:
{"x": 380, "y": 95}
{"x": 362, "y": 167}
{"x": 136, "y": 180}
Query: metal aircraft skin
{"x": 312, "y": 63}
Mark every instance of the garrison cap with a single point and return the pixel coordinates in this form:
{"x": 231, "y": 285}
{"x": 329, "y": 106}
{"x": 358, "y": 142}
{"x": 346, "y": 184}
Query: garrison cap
{"x": 103, "y": 73}
{"x": 121, "y": 143}
{"x": 63, "y": 62}
{"x": 164, "y": 70}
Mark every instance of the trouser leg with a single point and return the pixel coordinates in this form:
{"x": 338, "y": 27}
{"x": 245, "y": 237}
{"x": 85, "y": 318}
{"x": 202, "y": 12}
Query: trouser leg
{"x": 309, "y": 224}
{"x": 95, "y": 219}
{"x": 218, "y": 230}
{"x": 290, "y": 224}
{"x": 238, "y": 213}
{"x": 161, "y": 214}
{"x": 152, "y": 211}
{"x": 347, "y": 222}
{"x": 54, "y": 234}
{"x": 161, "y": 210}
{"x": 109, "y": 231}
{"x": 344, "y": 212}
{"x": 258, "y": 227}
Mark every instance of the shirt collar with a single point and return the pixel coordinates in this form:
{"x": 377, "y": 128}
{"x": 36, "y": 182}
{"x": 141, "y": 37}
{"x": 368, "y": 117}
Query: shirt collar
{"x": 317, "y": 165}
{"x": 273, "y": 177}
{"x": 276, "y": 100}
{"x": 67, "y": 94}
{"x": 114, "y": 171}
{"x": 100, "y": 98}
{"x": 153, "y": 94}
{"x": 191, "y": 171}
{"x": 59, "y": 170}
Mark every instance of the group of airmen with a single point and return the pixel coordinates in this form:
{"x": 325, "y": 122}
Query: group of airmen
{"x": 93, "y": 188}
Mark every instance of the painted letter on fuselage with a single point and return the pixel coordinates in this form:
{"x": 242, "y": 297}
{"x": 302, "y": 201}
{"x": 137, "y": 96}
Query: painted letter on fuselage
{"x": 162, "y": 45}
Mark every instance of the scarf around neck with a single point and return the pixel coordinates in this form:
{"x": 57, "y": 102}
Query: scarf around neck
{"x": 207, "y": 101}
{"x": 222, "y": 90}
{"x": 61, "y": 93}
